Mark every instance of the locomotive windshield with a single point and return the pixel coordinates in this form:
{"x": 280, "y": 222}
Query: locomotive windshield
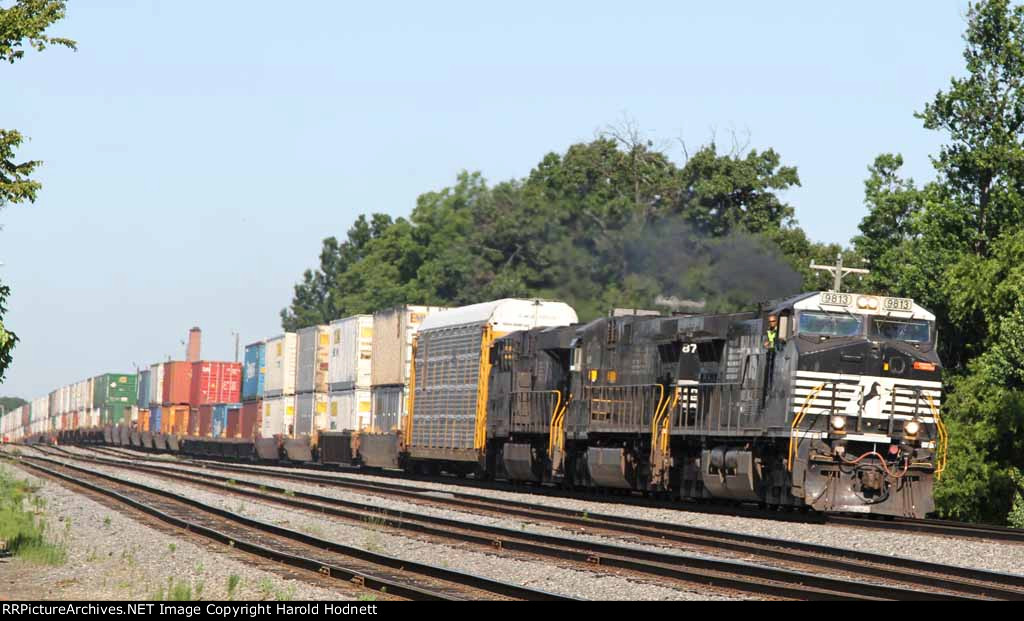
{"x": 830, "y": 324}
{"x": 912, "y": 331}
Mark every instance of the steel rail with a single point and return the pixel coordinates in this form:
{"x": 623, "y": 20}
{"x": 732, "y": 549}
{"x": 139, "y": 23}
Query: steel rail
{"x": 503, "y": 538}
{"x": 361, "y": 578}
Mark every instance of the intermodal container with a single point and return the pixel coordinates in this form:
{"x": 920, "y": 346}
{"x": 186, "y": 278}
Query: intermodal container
{"x": 254, "y": 371}
{"x": 350, "y": 361}
{"x": 203, "y": 423}
{"x": 114, "y": 414}
{"x": 221, "y": 414}
{"x": 393, "y": 331}
{"x": 314, "y": 344}
{"x": 350, "y": 410}
{"x": 155, "y": 418}
{"x": 278, "y": 417}
{"x": 310, "y": 412}
{"x": 143, "y": 401}
{"x": 281, "y": 354}
{"x": 177, "y": 383}
{"x": 115, "y": 389}
{"x": 156, "y": 384}
{"x": 142, "y": 424}
{"x": 176, "y": 419}
{"x": 250, "y": 421}
{"x": 215, "y": 382}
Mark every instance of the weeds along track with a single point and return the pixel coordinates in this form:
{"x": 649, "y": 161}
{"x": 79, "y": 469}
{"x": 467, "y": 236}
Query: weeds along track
{"x": 352, "y": 566}
{"x": 783, "y": 569}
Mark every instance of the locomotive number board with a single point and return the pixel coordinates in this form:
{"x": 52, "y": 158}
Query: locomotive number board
{"x": 831, "y": 298}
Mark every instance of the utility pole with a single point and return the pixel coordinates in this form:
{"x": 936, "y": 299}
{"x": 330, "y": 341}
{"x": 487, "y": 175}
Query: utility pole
{"x": 236, "y": 345}
{"x": 838, "y": 272}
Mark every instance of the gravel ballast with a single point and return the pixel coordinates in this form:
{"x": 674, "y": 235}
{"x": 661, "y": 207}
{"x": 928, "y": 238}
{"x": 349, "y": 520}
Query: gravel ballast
{"x": 986, "y": 555}
{"x": 539, "y": 574}
{"x": 111, "y": 556}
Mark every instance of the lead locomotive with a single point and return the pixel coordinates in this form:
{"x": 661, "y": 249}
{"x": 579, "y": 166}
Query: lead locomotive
{"x": 838, "y": 412}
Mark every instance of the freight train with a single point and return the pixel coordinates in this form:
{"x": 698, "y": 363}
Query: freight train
{"x": 825, "y": 401}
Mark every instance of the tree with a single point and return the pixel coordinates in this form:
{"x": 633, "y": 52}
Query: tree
{"x": 23, "y": 24}
{"x": 957, "y": 246}
{"x": 611, "y": 222}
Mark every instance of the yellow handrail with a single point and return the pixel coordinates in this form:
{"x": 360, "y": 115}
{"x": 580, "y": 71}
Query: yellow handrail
{"x": 658, "y": 412}
{"x": 556, "y": 415}
{"x": 796, "y": 421}
{"x": 940, "y": 451}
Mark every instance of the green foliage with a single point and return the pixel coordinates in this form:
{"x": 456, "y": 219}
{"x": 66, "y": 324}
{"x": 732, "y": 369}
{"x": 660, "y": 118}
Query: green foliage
{"x": 23, "y": 530}
{"x": 9, "y": 403}
{"x": 957, "y": 246}
{"x": 23, "y": 23}
{"x": 612, "y": 222}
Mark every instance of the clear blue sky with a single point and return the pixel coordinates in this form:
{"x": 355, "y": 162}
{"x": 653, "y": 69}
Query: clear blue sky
{"x": 196, "y": 153}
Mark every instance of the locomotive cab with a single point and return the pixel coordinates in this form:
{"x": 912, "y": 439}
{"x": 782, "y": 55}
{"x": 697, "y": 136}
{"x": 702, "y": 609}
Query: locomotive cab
{"x": 861, "y": 392}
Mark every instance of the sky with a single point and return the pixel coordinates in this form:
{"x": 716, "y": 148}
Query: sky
{"x": 196, "y": 153}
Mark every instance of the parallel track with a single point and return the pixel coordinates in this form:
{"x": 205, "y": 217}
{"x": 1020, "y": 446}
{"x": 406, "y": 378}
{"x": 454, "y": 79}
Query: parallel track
{"x": 944, "y": 528}
{"x": 941, "y": 581}
{"x": 377, "y": 572}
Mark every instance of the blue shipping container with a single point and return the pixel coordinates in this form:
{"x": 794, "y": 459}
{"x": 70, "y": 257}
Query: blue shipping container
{"x": 143, "y": 401}
{"x": 253, "y": 371}
{"x": 219, "y": 425}
{"x": 154, "y": 419}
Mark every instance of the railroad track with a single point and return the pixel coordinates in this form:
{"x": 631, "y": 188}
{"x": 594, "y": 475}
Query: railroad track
{"x": 944, "y": 528}
{"x": 355, "y": 567}
{"x": 939, "y": 581}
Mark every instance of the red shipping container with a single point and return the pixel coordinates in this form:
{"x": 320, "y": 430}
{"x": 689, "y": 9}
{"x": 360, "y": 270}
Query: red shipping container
{"x": 234, "y": 423}
{"x": 205, "y": 423}
{"x": 216, "y": 382}
{"x": 250, "y": 418}
{"x": 193, "y": 422}
{"x": 177, "y": 382}
{"x": 74, "y": 420}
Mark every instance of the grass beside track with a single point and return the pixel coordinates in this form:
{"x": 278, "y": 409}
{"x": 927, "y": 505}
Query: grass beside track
{"x": 23, "y": 523}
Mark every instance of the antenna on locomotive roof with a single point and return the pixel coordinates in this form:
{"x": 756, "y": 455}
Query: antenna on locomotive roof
{"x": 838, "y": 271}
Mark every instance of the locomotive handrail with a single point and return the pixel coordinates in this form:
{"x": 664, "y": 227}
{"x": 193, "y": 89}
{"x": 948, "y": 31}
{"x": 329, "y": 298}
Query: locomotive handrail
{"x": 659, "y": 414}
{"x": 797, "y": 420}
{"x": 556, "y": 435}
{"x": 940, "y": 453}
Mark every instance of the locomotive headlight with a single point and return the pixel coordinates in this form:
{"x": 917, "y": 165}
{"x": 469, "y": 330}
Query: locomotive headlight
{"x": 865, "y": 302}
{"x": 838, "y": 423}
{"x": 911, "y": 428}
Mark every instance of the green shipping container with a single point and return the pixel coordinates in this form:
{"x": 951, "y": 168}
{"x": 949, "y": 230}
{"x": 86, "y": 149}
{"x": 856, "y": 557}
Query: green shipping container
{"x": 115, "y": 414}
{"x": 115, "y": 389}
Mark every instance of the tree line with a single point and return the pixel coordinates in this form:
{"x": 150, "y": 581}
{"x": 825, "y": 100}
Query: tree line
{"x": 617, "y": 222}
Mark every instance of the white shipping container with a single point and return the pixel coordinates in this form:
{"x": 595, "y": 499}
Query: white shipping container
{"x": 311, "y": 365}
{"x": 278, "y": 417}
{"x": 350, "y": 364}
{"x": 349, "y": 410}
{"x": 156, "y": 383}
{"x": 281, "y": 357}
{"x": 310, "y": 413}
{"x": 393, "y": 332}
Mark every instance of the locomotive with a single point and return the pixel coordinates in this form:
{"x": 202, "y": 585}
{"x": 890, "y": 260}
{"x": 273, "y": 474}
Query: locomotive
{"x": 837, "y": 411}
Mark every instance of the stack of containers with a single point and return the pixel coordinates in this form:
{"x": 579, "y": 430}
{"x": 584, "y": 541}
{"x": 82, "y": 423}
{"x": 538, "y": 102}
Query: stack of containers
{"x": 244, "y": 423}
{"x": 311, "y": 380}
{"x": 89, "y": 415}
{"x": 156, "y": 396}
{"x": 114, "y": 396}
{"x": 349, "y": 373}
{"x": 393, "y": 332}
{"x": 143, "y": 399}
{"x": 279, "y": 387}
{"x": 177, "y": 390}
{"x": 40, "y": 412}
{"x": 56, "y": 420}
{"x": 214, "y": 384}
